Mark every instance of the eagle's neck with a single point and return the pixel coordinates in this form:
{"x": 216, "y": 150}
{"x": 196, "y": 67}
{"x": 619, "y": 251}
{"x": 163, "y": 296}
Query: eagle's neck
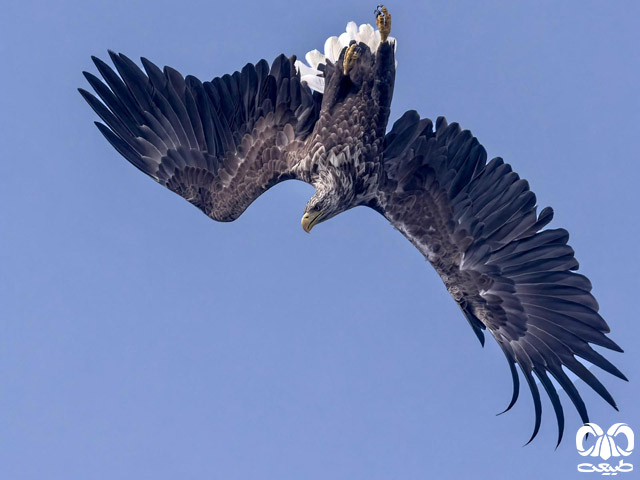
{"x": 347, "y": 173}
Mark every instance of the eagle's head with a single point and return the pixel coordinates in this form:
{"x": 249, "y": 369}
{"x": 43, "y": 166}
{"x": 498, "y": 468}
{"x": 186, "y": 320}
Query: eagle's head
{"x": 332, "y": 197}
{"x": 319, "y": 209}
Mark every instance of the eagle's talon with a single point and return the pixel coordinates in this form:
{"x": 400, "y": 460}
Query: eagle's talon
{"x": 383, "y": 21}
{"x": 350, "y": 57}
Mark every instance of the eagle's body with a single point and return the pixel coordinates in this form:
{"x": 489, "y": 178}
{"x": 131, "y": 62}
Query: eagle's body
{"x": 221, "y": 144}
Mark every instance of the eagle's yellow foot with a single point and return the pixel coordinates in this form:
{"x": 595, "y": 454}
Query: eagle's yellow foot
{"x": 383, "y": 20}
{"x": 350, "y": 58}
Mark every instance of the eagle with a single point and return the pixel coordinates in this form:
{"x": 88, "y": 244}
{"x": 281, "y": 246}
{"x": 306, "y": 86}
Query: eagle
{"x": 221, "y": 143}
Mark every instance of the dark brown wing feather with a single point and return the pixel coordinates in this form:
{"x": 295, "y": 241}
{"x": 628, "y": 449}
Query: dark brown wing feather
{"x": 476, "y": 222}
{"x": 218, "y": 144}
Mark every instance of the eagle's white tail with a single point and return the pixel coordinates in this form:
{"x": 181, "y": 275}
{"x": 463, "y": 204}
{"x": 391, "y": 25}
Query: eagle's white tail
{"x": 312, "y": 76}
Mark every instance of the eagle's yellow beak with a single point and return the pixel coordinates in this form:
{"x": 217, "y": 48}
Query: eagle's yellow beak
{"x": 309, "y": 220}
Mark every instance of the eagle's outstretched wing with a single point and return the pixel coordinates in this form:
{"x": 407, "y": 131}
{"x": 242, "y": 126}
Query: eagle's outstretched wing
{"x": 219, "y": 144}
{"x": 476, "y": 223}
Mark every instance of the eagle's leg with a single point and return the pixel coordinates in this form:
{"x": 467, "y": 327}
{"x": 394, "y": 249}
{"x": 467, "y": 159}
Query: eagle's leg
{"x": 350, "y": 57}
{"x": 383, "y": 20}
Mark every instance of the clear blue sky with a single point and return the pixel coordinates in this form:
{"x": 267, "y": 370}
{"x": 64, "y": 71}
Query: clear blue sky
{"x": 139, "y": 339}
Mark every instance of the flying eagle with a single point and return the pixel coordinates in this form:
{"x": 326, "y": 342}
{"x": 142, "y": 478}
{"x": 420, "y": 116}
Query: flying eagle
{"x": 220, "y": 144}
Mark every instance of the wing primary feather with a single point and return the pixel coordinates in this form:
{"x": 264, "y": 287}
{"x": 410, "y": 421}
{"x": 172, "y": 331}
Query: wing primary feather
{"x": 555, "y": 400}
{"x": 118, "y": 87}
{"x": 193, "y": 114}
{"x": 571, "y": 391}
{"x": 137, "y": 82}
{"x": 112, "y": 102}
{"x": 124, "y": 149}
{"x": 590, "y": 379}
{"x": 537, "y": 404}
{"x": 515, "y": 380}
{"x": 474, "y": 322}
{"x": 156, "y": 77}
{"x": 182, "y": 120}
{"x": 105, "y": 114}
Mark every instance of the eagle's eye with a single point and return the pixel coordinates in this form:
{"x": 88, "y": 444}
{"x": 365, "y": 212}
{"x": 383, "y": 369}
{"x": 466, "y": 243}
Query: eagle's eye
{"x": 316, "y": 208}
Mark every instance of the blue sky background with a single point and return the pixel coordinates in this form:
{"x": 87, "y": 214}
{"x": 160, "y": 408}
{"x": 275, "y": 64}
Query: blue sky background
{"x": 139, "y": 339}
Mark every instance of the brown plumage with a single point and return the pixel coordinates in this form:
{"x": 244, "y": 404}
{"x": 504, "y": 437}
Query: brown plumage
{"x": 221, "y": 144}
